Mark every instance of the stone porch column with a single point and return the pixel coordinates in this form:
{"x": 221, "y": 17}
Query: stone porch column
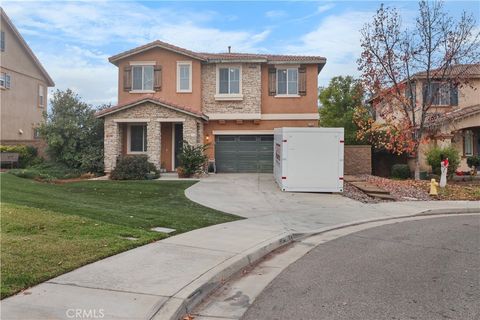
{"x": 190, "y": 131}
{"x": 112, "y": 144}
{"x": 154, "y": 142}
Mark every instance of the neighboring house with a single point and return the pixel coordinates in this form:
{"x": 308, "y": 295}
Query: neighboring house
{"x": 454, "y": 117}
{"x": 23, "y": 88}
{"x": 231, "y": 101}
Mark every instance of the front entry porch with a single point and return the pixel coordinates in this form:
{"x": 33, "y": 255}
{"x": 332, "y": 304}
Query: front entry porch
{"x": 153, "y": 130}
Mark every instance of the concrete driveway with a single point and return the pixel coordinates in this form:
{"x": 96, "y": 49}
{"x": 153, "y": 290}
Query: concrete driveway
{"x": 257, "y": 196}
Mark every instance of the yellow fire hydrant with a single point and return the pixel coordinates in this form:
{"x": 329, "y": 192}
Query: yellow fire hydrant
{"x": 433, "y": 187}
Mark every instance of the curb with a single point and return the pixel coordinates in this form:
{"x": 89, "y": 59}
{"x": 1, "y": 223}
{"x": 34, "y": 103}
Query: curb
{"x": 184, "y": 301}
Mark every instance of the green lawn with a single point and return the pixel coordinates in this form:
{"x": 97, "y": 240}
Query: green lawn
{"x": 49, "y": 229}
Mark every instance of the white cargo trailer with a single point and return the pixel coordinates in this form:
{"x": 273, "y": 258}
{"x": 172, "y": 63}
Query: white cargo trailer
{"x": 309, "y": 159}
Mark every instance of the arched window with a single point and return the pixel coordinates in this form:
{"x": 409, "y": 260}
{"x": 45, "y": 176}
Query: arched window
{"x": 468, "y": 143}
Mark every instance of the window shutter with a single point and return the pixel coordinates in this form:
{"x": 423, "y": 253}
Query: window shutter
{"x": 272, "y": 81}
{"x": 7, "y": 81}
{"x": 157, "y": 74}
{"x": 127, "y": 78}
{"x": 453, "y": 95}
{"x": 302, "y": 81}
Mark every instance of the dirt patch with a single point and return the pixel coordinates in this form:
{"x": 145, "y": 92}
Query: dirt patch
{"x": 410, "y": 190}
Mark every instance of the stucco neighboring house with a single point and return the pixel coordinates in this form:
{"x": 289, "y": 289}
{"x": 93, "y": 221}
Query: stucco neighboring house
{"x": 231, "y": 101}
{"x": 23, "y": 88}
{"x": 454, "y": 117}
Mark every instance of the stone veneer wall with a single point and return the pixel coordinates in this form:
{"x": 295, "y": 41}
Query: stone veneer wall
{"x": 357, "y": 159}
{"x": 113, "y": 134}
{"x": 251, "y": 90}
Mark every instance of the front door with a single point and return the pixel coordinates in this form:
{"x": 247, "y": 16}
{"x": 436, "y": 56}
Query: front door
{"x": 178, "y": 134}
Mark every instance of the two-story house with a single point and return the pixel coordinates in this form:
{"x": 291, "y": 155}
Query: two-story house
{"x": 23, "y": 88}
{"x": 230, "y": 101}
{"x": 454, "y": 116}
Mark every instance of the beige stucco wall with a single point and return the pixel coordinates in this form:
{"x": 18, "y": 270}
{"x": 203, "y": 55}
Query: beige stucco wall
{"x": 19, "y": 105}
{"x": 250, "y": 88}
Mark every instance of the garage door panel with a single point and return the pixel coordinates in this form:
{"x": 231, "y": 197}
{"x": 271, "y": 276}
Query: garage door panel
{"x": 244, "y": 153}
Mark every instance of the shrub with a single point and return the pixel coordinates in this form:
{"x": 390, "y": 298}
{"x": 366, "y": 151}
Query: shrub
{"x": 401, "y": 171}
{"x": 27, "y": 154}
{"x": 434, "y": 157}
{"x": 46, "y": 171}
{"x": 73, "y": 134}
{"x": 473, "y": 161}
{"x": 192, "y": 159}
{"x": 134, "y": 168}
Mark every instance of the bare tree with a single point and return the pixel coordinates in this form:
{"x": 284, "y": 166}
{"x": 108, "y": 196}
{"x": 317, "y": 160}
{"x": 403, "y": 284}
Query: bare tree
{"x": 437, "y": 49}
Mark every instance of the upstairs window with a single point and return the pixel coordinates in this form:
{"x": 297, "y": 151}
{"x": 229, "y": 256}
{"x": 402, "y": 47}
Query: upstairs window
{"x": 287, "y": 81}
{"x": 4, "y": 80}
{"x": 184, "y": 76}
{"x": 2, "y": 41}
{"x": 36, "y": 133}
{"x": 229, "y": 80}
{"x": 142, "y": 78}
{"x": 441, "y": 94}
{"x": 41, "y": 96}
{"x": 137, "y": 138}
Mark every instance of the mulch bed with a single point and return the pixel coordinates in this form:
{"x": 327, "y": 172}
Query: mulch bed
{"x": 411, "y": 190}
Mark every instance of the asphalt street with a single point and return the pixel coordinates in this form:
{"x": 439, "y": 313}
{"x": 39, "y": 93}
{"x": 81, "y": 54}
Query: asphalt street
{"x": 426, "y": 269}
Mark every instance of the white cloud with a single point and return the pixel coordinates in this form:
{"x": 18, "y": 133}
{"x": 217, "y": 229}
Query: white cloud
{"x": 338, "y": 39}
{"x": 76, "y": 38}
{"x": 324, "y": 8}
{"x": 275, "y": 14}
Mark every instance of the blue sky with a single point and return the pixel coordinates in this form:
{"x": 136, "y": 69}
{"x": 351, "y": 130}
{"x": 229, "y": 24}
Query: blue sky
{"x": 74, "y": 39}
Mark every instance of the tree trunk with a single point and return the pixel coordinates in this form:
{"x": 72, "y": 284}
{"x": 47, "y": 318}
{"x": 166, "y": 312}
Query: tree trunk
{"x": 417, "y": 168}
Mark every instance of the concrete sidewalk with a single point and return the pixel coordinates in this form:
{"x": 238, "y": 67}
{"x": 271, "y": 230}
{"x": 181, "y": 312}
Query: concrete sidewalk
{"x": 164, "y": 279}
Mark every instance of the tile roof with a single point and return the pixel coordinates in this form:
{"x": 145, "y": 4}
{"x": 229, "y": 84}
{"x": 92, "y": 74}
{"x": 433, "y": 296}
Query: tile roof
{"x": 150, "y": 98}
{"x": 214, "y": 57}
{"x": 472, "y": 70}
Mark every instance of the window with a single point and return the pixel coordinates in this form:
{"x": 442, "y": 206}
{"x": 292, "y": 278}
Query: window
{"x": 468, "y": 143}
{"x": 287, "y": 81}
{"x": 441, "y": 94}
{"x": 41, "y": 96}
{"x": 36, "y": 133}
{"x": 2, "y": 41}
{"x": 142, "y": 78}
{"x": 137, "y": 138}
{"x": 413, "y": 91}
{"x": 184, "y": 76}
{"x": 5, "y": 80}
{"x": 229, "y": 80}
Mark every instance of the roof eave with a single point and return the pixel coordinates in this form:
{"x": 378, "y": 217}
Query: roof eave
{"x": 101, "y": 114}
{"x": 236, "y": 60}
{"x": 114, "y": 59}
{"x": 49, "y": 80}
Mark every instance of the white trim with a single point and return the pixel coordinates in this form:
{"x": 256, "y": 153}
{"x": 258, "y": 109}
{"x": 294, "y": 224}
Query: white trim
{"x": 173, "y": 146}
{"x": 234, "y": 116}
{"x": 290, "y": 116}
{"x": 170, "y": 120}
{"x": 143, "y": 63}
{"x": 180, "y": 63}
{"x": 286, "y": 66}
{"x": 287, "y": 95}
{"x": 240, "y": 132}
{"x": 229, "y": 97}
{"x": 129, "y": 138}
{"x": 235, "y": 96}
{"x": 141, "y": 91}
{"x": 132, "y": 120}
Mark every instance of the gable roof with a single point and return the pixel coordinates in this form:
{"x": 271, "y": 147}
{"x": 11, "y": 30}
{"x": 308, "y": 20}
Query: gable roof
{"x": 221, "y": 57}
{"x": 29, "y": 51}
{"x": 151, "y": 99}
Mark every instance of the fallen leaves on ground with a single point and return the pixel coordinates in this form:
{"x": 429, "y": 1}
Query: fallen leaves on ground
{"x": 409, "y": 190}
